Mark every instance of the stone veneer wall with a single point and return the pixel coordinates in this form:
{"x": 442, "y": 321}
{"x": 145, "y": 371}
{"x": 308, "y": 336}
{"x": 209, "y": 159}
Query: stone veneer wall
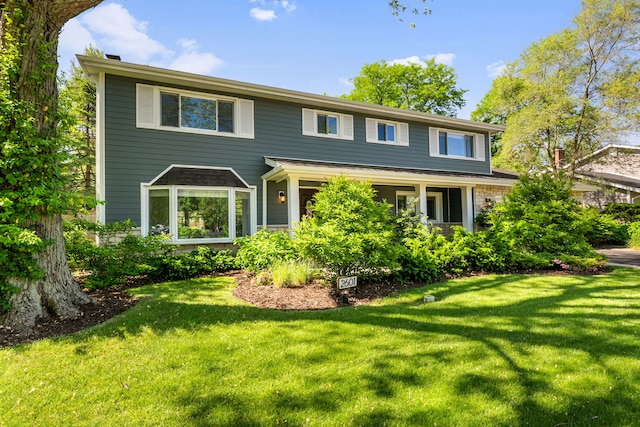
{"x": 483, "y": 192}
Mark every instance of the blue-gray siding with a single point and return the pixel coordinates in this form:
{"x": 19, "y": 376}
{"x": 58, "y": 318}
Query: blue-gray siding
{"x": 134, "y": 156}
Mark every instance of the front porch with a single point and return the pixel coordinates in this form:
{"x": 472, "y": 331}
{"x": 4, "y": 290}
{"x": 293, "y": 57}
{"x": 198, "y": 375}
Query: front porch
{"x": 445, "y": 198}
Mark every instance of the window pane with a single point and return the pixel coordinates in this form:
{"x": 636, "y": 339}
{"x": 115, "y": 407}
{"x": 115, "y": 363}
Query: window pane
{"x": 243, "y": 214}
{"x": 468, "y": 145}
{"x": 332, "y": 125}
{"x": 198, "y": 113}
{"x": 322, "y": 123}
{"x": 391, "y": 133}
{"x": 225, "y": 116}
{"x": 158, "y": 212}
{"x": 382, "y": 132}
{"x": 455, "y": 144}
{"x": 170, "y": 110}
{"x": 401, "y": 202}
{"x": 203, "y": 214}
{"x": 431, "y": 208}
{"x": 443, "y": 142}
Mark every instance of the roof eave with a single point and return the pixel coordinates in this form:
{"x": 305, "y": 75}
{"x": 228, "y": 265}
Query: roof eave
{"x": 94, "y": 65}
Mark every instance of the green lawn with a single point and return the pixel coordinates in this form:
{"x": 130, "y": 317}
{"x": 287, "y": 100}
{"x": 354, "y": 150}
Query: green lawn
{"x": 491, "y": 351}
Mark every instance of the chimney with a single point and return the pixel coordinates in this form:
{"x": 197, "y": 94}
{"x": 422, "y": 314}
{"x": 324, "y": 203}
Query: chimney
{"x": 558, "y": 160}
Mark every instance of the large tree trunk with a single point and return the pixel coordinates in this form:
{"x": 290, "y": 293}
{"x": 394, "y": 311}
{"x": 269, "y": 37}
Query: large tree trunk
{"x": 37, "y": 25}
{"x": 57, "y": 294}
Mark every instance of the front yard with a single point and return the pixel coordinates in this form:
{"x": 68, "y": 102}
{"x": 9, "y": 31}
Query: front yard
{"x": 498, "y": 350}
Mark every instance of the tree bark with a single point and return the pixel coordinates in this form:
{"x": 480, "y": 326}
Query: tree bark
{"x": 57, "y": 293}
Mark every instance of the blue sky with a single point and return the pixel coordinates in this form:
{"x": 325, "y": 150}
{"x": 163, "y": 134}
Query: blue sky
{"x": 316, "y": 45}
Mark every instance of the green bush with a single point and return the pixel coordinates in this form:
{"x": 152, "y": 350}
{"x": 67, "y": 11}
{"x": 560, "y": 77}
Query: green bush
{"x": 634, "y": 235}
{"x": 603, "y": 229}
{"x": 350, "y": 233}
{"x": 541, "y": 216}
{"x": 418, "y": 260}
{"x": 116, "y": 258}
{"x": 623, "y": 212}
{"x": 198, "y": 262}
{"x": 263, "y": 249}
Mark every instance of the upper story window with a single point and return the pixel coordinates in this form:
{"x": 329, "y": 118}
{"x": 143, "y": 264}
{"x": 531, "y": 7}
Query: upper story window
{"x": 196, "y": 112}
{"x": 387, "y": 132}
{"x": 327, "y": 124}
{"x": 456, "y": 144}
{"x": 183, "y": 111}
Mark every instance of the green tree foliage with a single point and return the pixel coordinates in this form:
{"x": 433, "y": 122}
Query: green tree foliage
{"x": 573, "y": 90}
{"x": 540, "y": 216}
{"x": 78, "y": 108}
{"x": 428, "y": 87}
{"x": 350, "y": 233}
{"x": 32, "y": 183}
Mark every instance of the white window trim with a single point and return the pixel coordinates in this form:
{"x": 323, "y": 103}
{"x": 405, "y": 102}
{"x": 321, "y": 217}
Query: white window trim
{"x": 439, "y": 211}
{"x": 478, "y": 149}
{"x": 149, "y": 112}
{"x": 173, "y": 211}
{"x": 401, "y": 132}
{"x": 310, "y": 124}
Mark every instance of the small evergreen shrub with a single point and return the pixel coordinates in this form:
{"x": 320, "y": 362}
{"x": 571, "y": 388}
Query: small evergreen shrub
{"x": 263, "y": 249}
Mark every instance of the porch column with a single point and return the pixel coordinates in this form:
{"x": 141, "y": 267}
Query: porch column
{"x": 467, "y": 208}
{"x": 422, "y": 194}
{"x": 293, "y": 200}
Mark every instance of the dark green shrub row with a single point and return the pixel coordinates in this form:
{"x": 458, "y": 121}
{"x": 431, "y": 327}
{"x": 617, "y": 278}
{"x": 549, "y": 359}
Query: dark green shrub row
{"x": 634, "y": 235}
{"x": 623, "y": 212}
{"x": 538, "y": 226}
{"x": 121, "y": 255}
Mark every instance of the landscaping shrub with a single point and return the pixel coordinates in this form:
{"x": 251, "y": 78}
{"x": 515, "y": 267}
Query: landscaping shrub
{"x": 603, "y": 229}
{"x": 623, "y": 212}
{"x": 349, "y": 233}
{"x": 116, "y": 258}
{"x": 418, "y": 260}
{"x": 540, "y": 216}
{"x": 263, "y": 249}
{"x": 198, "y": 262}
{"x": 634, "y": 235}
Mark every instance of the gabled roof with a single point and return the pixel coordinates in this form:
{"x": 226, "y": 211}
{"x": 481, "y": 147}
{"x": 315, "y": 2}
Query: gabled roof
{"x": 604, "y": 151}
{"x": 93, "y": 66}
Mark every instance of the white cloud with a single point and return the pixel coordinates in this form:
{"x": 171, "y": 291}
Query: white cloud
{"x": 439, "y": 58}
{"x": 289, "y": 6}
{"x": 415, "y": 59}
{"x": 262, "y": 14}
{"x": 495, "y": 69}
{"x": 112, "y": 29}
{"x": 118, "y": 32}
{"x": 74, "y": 38}
{"x": 442, "y": 58}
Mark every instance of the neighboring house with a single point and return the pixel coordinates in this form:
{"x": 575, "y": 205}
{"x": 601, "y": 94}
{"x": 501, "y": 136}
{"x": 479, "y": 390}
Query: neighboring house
{"x": 207, "y": 159}
{"x": 616, "y": 170}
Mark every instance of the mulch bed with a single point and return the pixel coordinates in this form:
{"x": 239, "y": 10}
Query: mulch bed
{"x": 111, "y": 302}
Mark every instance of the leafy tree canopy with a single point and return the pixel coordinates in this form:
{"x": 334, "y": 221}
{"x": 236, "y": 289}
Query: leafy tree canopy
{"x": 575, "y": 90}
{"x": 428, "y": 87}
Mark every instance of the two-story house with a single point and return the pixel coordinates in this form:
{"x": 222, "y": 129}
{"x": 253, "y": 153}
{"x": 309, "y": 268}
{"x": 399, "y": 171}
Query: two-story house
{"x": 207, "y": 159}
